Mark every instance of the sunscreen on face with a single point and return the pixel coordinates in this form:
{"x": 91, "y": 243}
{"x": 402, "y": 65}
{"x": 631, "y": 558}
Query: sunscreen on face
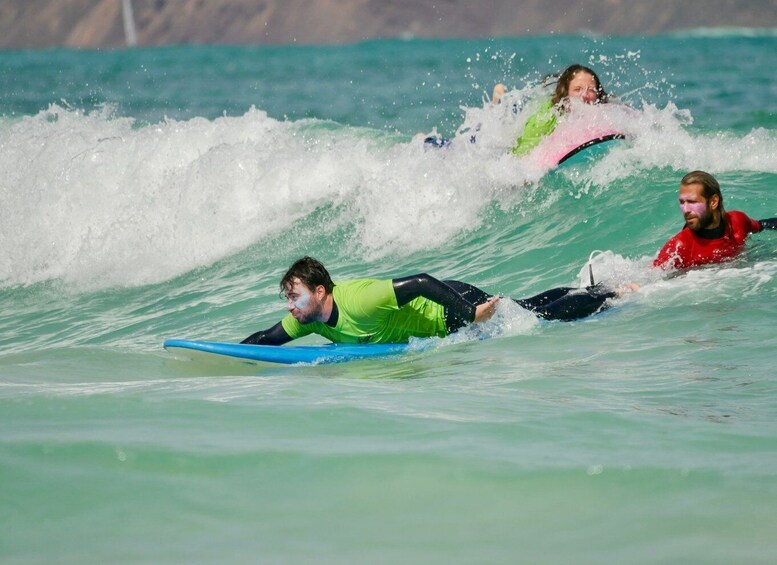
{"x": 698, "y": 208}
{"x": 302, "y": 301}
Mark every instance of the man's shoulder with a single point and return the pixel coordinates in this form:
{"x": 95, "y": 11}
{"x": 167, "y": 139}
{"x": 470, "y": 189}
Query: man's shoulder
{"x": 356, "y": 285}
{"x": 739, "y": 217}
{"x": 741, "y": 223}
{"x": 364, "y": 292}
{"x": 685, "y": 234}
{"x": 736, "y": 216}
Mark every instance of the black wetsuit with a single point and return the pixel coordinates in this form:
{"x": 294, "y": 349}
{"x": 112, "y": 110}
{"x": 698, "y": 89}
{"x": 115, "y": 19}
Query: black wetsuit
{"x": 563, "y": 303}
{"x": 460, "y": 300}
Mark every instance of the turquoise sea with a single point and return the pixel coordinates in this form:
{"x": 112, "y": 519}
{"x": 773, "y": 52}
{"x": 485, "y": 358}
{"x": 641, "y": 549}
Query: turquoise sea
{"x": 161, "y": 192}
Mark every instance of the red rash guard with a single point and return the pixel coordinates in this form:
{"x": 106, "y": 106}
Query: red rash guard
{"x": 688, "y": 249}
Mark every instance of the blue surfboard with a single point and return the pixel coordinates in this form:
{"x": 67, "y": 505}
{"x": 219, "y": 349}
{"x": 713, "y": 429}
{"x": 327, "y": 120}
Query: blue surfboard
{"x": 285, "y": 354}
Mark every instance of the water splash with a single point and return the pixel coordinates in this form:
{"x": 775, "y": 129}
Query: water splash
{"x": 100, "y": 201}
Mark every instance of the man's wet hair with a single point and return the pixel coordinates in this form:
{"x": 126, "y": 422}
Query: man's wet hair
{"x": 311, "y": 272}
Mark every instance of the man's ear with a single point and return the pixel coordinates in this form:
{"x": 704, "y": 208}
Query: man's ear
{"x": 714, "y": 202}
{"x": 320, "y": 291}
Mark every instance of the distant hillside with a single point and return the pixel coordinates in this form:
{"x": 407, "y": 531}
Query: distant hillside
{"x": 100, "y": 24}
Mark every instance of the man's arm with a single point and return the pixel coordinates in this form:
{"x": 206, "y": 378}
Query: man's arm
{"x": 275, "y": 335}
{"x": 666, "y": 255}
{"x": 768, "y": 224}
{"x": 457, "y": 307}
{"x": 674, "y": 253}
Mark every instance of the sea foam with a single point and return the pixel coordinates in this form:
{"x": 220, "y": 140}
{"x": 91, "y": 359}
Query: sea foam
{"x": 100, "y": 200}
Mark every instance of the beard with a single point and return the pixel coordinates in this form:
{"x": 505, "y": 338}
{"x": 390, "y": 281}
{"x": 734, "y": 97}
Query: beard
{"x": 314, "y": 314}
{"x": 705, "y": 220}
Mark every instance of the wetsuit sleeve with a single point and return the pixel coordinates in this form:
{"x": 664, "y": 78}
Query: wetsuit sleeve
{"x": 456, "y": 306}
{"x": 768, "y": 224}
{"x": 275, "y": 335}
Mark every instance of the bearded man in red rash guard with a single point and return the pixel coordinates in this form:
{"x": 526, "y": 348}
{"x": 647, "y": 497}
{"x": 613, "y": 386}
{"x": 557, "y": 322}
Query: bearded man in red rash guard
{"x": 711, "y": 235}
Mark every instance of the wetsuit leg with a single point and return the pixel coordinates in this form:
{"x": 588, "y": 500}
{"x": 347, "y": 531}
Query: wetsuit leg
{"x": 544, "y": 298}
{"x": 565, "y": 305}
{"x": 562, "y": 303}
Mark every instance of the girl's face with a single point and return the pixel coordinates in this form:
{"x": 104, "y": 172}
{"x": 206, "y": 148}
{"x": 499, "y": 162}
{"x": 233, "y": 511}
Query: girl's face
{"x": 583, "y": 86}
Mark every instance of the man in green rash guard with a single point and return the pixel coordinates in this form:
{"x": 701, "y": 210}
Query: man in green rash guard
{"x": 393, "y": 311}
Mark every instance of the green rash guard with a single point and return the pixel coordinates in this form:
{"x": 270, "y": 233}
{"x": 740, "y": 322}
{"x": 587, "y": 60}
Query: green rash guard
{"x": 539, "y": 124}
{"x": 368, "y": 313}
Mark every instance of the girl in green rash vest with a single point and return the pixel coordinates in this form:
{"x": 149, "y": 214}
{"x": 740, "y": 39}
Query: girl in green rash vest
{"x": 576, "y": 81}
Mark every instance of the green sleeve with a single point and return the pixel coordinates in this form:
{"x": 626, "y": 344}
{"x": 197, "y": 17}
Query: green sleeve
{"x": 295, "y": 330}
{"x": 539, "y": 124}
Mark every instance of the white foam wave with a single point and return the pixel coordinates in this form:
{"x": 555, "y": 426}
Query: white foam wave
{"x": 657, "y": 138}
{"x": 86, "y": 197}
{"x": 97, "y": 200}
{"x": 736, "y": 279}
{"x": 662, "y": 140}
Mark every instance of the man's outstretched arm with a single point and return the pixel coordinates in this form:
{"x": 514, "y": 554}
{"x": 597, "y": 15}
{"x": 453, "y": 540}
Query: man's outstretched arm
{"x": 275, "y": 335}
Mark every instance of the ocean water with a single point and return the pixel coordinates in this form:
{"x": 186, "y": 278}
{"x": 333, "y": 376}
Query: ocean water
{"x": 157, "y": 193}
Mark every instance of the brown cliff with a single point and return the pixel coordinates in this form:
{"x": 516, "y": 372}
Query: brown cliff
{"x": 99, "y": 23}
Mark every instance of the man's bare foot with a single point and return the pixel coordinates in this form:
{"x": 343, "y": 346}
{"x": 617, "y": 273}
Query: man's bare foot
{"x": 485, "y": 311}
{"x": 631, "y": 287}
